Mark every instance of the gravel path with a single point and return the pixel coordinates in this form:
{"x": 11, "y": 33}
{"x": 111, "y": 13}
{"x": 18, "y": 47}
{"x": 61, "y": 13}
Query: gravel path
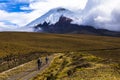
{"x": 28, "y": 74}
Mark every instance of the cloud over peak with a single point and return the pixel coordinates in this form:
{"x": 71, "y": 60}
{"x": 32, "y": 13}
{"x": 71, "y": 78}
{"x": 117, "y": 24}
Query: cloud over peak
{"x": 102, "y": 14}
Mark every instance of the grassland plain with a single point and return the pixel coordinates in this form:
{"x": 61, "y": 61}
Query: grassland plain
{"x": 26, "y": 44}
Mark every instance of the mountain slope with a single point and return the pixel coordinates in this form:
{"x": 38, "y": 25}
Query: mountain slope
{"x": 60, "y": 20}
{"x": 64, "y": 26}
{"x": 53, "y": 16}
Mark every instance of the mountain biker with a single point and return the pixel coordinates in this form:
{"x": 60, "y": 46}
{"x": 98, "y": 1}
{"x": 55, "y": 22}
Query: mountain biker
{"x": 46, "y": 59}
{"x": 39, "y": 62}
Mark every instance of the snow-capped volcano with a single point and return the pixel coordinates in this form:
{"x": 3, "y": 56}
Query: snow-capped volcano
{"x": 60, "y": 20}
{"x": 54, "y": 15}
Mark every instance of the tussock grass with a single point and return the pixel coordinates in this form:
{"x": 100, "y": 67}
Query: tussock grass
{"x": 16, "y": 70}
{"x": 79, "y": 66}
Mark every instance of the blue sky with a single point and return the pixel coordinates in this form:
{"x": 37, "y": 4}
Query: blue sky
{"x": 18, "y": 13}
{"x": 14, "y": 6}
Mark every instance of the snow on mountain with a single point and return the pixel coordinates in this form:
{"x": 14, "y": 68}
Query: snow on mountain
{"x": 54, "y": 15}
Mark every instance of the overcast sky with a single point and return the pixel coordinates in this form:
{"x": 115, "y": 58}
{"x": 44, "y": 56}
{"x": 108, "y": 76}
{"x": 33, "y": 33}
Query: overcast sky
{"x": 98, "y": 13}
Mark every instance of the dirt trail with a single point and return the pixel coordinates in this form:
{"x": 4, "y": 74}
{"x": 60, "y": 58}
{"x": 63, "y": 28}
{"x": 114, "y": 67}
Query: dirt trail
{"x": 30, "y": 73}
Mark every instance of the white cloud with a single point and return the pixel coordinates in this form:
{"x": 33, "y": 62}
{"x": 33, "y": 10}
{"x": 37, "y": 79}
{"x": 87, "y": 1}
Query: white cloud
{"x": 98, "y": 13}
{"x": 14, "y": 18}
{"x": 25, "y": 8}
{"x": 48, "y": 4}
{"x": 3, "y": 28}
{"x": 102, "y": 14}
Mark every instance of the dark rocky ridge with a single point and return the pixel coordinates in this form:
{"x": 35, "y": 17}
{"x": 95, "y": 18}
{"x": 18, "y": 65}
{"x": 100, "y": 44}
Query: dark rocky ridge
{"x": 64, "y": 26}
